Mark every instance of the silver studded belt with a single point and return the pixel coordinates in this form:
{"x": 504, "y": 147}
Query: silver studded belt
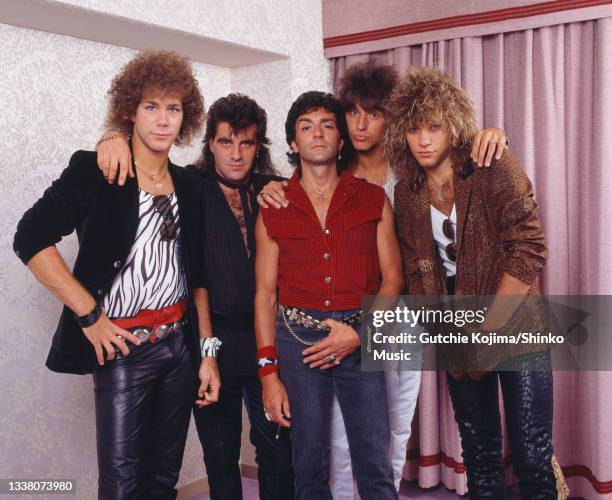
{"x": 157, "y": 333}
{"x": 300, "y": 318}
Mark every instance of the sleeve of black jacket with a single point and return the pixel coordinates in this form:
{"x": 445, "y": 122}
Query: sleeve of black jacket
{"x": 61, "y": 209}
{"x": 197, "y": 228}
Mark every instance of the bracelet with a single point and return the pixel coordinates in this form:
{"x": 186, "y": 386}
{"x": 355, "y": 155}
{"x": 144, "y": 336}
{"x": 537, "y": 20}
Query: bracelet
{"x": 90, "y": 318}
{"x": 110, "y": 137}
{"x": 267, "y": 360}
{"x": 209, "y": 347}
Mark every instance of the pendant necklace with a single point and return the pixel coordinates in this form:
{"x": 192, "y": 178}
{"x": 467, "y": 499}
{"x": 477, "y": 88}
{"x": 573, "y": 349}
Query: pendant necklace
{"x": 321, "y": 194}
{"x": 439, "y": 193}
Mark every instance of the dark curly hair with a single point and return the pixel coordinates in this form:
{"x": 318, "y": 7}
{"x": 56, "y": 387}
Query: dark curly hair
{"x": 425, "y": 94}
{"x": 156, "y": 70}
{"x": 311, "y": 101}
{"x": 239, "y": 111}
{"x": 367, "y": 84}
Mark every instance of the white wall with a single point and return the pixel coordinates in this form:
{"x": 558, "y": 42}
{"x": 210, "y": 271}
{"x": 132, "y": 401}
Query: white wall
{"x": 52, "y": 97}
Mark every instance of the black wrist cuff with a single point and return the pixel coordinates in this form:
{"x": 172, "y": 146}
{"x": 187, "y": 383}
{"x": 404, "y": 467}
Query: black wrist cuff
{"x": 90, "y": 318}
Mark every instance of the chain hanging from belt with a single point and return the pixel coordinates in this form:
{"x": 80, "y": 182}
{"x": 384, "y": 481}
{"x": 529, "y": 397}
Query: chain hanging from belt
{"x": 302, "y": 319}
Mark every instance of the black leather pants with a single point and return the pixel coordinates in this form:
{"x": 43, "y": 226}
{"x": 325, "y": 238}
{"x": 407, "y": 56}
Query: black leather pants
{"x": 143, "y": 405}
{"x": 528, "y": 406}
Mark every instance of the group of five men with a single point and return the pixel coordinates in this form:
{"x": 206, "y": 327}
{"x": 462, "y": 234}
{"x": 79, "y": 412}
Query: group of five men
{"x": 274, "y": 292}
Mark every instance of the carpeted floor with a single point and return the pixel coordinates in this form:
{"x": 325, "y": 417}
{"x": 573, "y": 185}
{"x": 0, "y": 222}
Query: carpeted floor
{"x": 408, "y": 491}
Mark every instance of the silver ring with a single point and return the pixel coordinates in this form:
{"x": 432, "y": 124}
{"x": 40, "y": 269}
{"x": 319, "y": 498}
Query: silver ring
{"x": 337, "y": 362}
{"x": 330, "y": 358}
{"x": 268, "y": 416}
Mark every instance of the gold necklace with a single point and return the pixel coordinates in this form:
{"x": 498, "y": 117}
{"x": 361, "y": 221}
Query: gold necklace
{"x": 154, "y": 177}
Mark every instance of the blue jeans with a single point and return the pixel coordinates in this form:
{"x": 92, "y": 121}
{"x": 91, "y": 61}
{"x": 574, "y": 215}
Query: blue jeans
{"x": 362, "y": 399}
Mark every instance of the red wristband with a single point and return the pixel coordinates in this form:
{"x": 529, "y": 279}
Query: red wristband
{"x": 267, "y": 360}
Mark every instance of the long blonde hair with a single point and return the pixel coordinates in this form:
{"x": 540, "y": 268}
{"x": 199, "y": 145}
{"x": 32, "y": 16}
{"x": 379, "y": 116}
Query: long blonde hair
{"x": 422, "y": 95}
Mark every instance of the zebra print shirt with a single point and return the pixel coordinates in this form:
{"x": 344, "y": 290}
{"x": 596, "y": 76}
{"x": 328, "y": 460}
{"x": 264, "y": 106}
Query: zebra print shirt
{"x": 153, "y": 276}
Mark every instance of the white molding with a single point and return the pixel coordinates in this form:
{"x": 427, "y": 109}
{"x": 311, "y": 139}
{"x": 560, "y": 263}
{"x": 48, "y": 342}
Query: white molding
{"x": 78, "y": 22}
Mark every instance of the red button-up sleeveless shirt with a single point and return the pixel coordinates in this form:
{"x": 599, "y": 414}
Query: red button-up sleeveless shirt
{"x": 329, "y": 268}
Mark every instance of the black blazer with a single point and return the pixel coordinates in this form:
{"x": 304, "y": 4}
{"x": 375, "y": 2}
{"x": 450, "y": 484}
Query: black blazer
{"x": 105, "y": 217}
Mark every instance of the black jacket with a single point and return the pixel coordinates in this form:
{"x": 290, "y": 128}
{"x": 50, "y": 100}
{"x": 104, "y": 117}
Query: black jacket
{"x": 230, "y": 276}
{"x": 105, "y": 217}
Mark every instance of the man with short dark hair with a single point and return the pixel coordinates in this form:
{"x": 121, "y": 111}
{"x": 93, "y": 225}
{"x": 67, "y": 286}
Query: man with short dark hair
{"x": 331, "y": 245}
{"x": 363, "y": 89}
{"x": 234, "y": 165}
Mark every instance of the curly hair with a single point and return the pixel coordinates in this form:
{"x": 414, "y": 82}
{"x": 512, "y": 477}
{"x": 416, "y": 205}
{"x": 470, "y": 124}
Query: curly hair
{"x": 311, "y": 101}
{"x": 157, "y": 71}
{"x": 239, "y": 111}
{"x": 426, "y": 94}
{"x": 367, "y": 84}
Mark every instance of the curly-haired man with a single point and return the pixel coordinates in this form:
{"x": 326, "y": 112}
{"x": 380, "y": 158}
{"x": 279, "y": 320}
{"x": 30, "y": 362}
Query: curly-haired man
{"x": 478, "y": 229}
{"x": 136, "y": 266}
{"x": 234, "y": 165}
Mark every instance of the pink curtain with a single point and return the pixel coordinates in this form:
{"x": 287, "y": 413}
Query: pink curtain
{"x": 550, "y": 88}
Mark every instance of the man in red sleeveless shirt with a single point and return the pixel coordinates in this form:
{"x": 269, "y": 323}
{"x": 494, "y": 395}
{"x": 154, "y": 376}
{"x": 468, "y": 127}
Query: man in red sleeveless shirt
{"x": 315, "y": 261}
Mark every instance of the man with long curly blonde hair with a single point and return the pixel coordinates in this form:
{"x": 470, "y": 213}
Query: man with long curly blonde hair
{"x": 474, "y": 232}
{"x": 131, "y": 284}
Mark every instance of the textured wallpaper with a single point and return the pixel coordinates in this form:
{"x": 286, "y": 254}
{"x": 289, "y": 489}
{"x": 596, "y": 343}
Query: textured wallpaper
{"x": 291, "y": 27}
{"x": 52, "y": 93}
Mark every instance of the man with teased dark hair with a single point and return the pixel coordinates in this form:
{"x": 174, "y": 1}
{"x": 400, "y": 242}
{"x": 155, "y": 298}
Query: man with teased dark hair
{"x": 239, "y": 112}
{"x": 366, "y": 85}
{"x": 234, "y": 165}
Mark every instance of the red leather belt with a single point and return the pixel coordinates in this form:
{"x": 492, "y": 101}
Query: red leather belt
{"x": 154, "y": 325}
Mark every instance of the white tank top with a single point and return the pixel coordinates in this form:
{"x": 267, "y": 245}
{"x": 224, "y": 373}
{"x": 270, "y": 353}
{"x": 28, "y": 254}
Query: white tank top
{"x": 437, "y": 219}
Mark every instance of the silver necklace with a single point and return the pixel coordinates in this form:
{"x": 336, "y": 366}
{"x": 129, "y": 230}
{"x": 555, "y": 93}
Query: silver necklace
{"x": 439, "y": 189}
{"x": 321, "y": 194}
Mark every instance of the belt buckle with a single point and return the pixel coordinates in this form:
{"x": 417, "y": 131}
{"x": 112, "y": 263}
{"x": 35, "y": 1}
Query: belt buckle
{"x": 142, "y": 334}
